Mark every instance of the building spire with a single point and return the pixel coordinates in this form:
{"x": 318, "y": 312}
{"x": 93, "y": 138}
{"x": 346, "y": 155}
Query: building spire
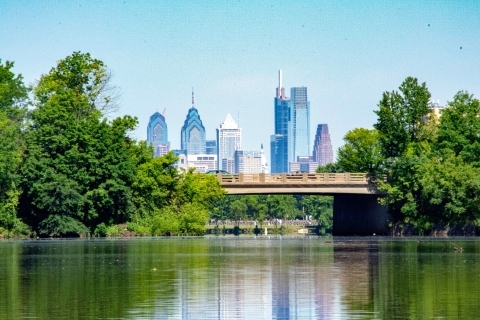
{"x": 280, "y": 92}
{"x": 193, "y": 99}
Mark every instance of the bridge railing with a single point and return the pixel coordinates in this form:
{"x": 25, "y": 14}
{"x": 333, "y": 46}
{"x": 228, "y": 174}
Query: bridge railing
{"x": 280, "y": 178}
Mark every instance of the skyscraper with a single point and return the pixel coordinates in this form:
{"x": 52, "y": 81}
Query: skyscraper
{"x": 322, "y": 147}
{"x": 279, "y": 141}
{"x": 193, "y": 132}
{"x": 157, "y": 134}
{"x": 229, "y": 139}
{"x": 299, "y": 130}
{"x": 265, "y": 168}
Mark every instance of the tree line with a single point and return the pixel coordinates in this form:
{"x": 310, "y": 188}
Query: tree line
{"x": 66, "y": 170}
{"x": 285, "y": 207}
{"x": 432, "y": 162}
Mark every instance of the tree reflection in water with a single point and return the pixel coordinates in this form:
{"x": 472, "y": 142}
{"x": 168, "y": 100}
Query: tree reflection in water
{"x": 240, "y": 278}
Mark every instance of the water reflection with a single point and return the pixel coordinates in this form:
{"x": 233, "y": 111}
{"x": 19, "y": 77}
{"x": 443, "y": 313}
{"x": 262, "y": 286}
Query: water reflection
{"x": 240, "y": 278}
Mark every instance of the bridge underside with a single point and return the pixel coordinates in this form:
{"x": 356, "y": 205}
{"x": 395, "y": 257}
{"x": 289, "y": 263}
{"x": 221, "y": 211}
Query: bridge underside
{"x": 359, "y": 214}
{"x": 356, "y": 211}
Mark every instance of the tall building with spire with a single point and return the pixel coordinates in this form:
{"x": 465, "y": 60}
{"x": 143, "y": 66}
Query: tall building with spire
{"x": 193, "y": 132}
{"x": 157, "y": 134}
{"x": 299, "y": 130}
{"x": 322, "y": 147}
{"x": 279, "y": 140}
{"x": 229, "y": 139}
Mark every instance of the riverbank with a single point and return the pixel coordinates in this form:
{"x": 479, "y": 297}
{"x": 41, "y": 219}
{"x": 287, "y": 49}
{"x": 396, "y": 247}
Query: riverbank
{"x": 407, "y": 229}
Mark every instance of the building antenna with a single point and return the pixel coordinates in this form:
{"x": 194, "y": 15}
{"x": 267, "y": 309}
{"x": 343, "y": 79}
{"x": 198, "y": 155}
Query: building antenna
{"x": 280, "y": 79}
{"x": 193, "y": 99}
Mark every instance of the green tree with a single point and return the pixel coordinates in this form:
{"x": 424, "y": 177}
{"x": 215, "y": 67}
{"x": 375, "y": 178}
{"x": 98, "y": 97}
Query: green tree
{"x": 401, "y": 117}
{"x": 451, "y": 189}
{"x": 283, "y": 207}
{"x": 238, "y": 211}
{"x": 77, "y": 165}
{"x": 321, "y": 209}
{"x": 13, "y": 92}
{"x": 361, "y": 151}
{"x": 404, "y": 143}
{"x": 13, "y": 100}
{"x": 459, "y": 128}
{"x": 155, "y": 184}
{"x": 330, "y": 168}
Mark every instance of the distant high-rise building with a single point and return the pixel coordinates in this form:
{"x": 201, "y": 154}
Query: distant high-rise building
{"x": 228, "y": 164}
{"x": 265, "y": 168}
{"x": 248, "y": 162}
{"x": 229, "y": 139}
{"x": 279, "y": 153}
{"x": 322, "y": 147}
{"x": 279, "y": 141}
{"x": 193, "y": 132}
{"x": 303, "y": 164}
{"x": 211, "y": 147}
{"x": 157, "y": 134}
{"x": 201, "y": 162}
{"x": 299, "y": 130}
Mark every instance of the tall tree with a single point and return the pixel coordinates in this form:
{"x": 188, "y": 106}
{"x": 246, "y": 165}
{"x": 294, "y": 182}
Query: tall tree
{"x": 78, "y": 165}
{"x": 361, "y": 151}
{"x": 401, "y": 116}
{"x": 459, "y": 128}
{"x": 13, "y": 100}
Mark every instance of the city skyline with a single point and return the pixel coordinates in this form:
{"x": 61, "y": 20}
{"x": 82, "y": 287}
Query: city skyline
{"x": 347, "y": 53}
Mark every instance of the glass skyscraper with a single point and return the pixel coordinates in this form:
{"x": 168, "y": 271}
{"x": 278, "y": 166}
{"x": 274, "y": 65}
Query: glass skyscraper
{"x": 193, "y": 132}
{"x": 322, "y": 147}
{"x": 157, "y": 134}
{"x": 299, "y": 130}
{"x": 279, "y": 141}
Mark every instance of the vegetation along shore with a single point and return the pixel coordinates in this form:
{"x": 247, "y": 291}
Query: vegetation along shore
{"x": 67, "y": 168}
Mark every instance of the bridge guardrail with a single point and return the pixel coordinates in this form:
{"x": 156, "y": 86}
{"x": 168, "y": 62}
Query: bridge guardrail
{"x": 285, "y": 178}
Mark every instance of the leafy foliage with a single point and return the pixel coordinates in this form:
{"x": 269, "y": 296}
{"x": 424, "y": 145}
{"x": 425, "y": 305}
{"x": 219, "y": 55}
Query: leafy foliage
{"x": 77, "y": 163}
{"x": 330, "y": 168}
{"x": 361, "y": 151}
{"x": 13, "y": 94}
{"x": 401, "y": 117}
{"x": 56, "y": 225}
{"x": 253, "y": 207}
{"x": 433, "y": 164}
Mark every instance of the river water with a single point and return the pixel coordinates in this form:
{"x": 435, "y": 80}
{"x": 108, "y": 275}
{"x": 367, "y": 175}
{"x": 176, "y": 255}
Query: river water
{"x": 241, "y": 278}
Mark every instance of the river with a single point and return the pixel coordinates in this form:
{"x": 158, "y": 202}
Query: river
{"x": 240, "y": 278}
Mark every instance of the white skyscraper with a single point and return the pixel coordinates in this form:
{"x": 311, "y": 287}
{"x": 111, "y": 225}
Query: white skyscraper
{"x": 229, "y": 139}
{"x": 265, "y": 168}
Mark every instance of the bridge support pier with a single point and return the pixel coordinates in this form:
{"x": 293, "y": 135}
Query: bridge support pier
{"x": 359, "y": 214}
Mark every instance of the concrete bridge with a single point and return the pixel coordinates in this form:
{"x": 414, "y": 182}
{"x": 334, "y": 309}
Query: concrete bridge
{"x": 356, "y": 210}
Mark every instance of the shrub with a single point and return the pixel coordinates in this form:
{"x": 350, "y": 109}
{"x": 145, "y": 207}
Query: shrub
{"x": 114, "y": 231}
{"x": 100, "y": 230}
{"x": 62, "y": 226}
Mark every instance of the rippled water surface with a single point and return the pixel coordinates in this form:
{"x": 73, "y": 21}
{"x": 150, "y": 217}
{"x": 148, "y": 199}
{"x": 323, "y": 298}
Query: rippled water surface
{"x": 241, "y": 278}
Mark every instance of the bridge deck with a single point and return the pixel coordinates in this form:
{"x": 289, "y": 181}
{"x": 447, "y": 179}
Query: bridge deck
{"x": 305, "y": 183}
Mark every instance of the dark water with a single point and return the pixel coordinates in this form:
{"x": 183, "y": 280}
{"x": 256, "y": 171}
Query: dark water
{"x": 241, "y": 278}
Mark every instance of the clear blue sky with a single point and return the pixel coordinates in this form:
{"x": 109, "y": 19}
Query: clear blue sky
{"x": 346, "y": 52}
